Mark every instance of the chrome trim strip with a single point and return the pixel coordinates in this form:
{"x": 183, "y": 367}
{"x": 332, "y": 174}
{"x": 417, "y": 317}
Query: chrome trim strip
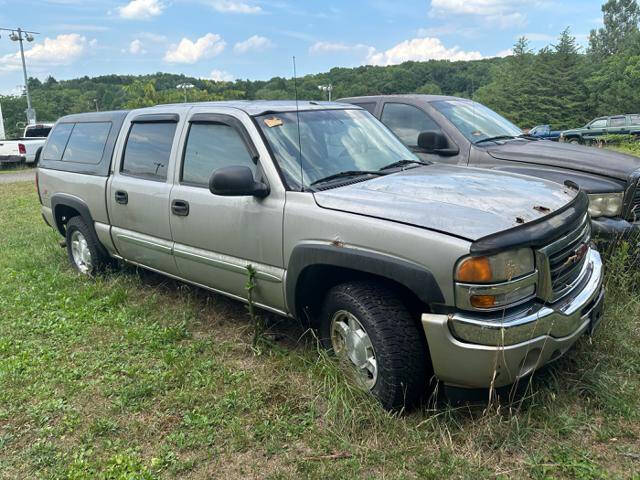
{"x": 145, "y": 243}
{"x": 558, "y": 320}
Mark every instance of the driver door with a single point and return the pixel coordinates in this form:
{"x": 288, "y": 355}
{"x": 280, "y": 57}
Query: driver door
{"x": 215, "y": 236}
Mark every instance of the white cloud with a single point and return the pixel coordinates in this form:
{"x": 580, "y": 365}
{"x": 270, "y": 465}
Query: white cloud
{"x": 141, "y": 9}
{"x": 188, "y": 51}
{"x": 233, "y": 6}
{"x": 221, "y": 76}
{"x": 331, "y": 47}
{"x": 255, "y": 43}
{"x": 503, "y": 13}
{"x": 504, "y": 53}
{"x": 136, "y": 48}
{"x": 152, "y": 37}
{"x": 62, "y": 50}
{"x": 420, "y": 49}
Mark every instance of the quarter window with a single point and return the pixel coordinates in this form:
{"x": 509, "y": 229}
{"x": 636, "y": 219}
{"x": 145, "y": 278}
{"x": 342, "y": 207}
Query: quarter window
{"x": 635, "y": 119}
{"x": 86, "y": 143}
{"x": 407, "y": 122}
{"x": 57, "y": 142}
{"x": 148, "y": 150}
{"x": 211, "y": 146}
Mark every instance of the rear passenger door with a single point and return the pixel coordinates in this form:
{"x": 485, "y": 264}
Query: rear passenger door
{"x": 618, "y": 125}
{"x": 138, "y": 193}
{"x": 407, "y": 122}
{"x": 215, "y": 236}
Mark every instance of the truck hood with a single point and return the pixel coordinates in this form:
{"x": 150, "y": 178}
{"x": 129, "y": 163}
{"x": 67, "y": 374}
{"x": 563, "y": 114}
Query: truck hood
{"x": 566, "y": 155}
{"x": 466, "y": 202}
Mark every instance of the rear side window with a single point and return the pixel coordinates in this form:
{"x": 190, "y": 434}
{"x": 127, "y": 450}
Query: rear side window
{"x": 86, "y": 143}
{"x": 57, "y": 141}
{"x": 148, "y": 149}
{"x": 618, "y": 121}
{"x": 211, "y": 146}
{"x": 635, "y": 119}
{"x": 407, "y": 122}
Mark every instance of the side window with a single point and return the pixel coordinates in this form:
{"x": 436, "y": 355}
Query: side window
{"x": 635, "y": 119}
{"x": 148, "y": 149}
{"x": 211, "y": 146}
{"x": 599, "y": 123}
{"x": 407, "y": 122}
{"x": 86, "y": 143}
{"x": 617, "y": 121}
{"x": 57, "y": 141}
{"x": 369, "y": 107}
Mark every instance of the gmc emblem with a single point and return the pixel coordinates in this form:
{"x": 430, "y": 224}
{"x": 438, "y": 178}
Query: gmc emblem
{"x": 577, "y": 255}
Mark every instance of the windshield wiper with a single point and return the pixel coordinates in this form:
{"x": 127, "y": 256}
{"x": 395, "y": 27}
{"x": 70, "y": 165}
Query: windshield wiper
{"x": 497, "y": 137}
{"x": 347, "y": 173}
{"x": 402, "y": 163}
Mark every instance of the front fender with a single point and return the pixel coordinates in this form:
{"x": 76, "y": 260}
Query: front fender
{"x": 413, "y": 276}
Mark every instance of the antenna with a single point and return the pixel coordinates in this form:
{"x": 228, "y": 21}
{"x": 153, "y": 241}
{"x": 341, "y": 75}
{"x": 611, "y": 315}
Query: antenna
{"x": 295, "y": 87}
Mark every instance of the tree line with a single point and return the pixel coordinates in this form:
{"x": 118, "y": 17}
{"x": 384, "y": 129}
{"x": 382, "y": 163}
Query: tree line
{"x": 559, "y": 84}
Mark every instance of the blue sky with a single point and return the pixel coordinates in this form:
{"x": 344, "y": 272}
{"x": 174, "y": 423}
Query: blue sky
{"x": 255, "y": 39}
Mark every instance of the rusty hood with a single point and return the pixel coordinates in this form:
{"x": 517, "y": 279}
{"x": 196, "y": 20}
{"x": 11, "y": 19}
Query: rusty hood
{"x": 466, "y": 202}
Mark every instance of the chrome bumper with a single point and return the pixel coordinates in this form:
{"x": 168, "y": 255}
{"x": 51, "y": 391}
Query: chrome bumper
{"x": 477, "y": 351}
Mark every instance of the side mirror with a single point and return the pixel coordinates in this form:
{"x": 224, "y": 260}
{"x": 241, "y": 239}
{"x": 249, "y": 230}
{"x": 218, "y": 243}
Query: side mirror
{"x": 434, "y": 141}
{"x": 236, "y": 181}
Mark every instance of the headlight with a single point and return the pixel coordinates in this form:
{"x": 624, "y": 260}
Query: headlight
{"x": 605, "y": 204}
{"x": 495, "y": 281}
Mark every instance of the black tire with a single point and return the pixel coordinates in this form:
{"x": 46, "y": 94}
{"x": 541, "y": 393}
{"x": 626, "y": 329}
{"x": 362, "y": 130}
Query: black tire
{"x": 574, "y": 141}
{"x": 401, "y": 355}
{"x": 77, "y": 228}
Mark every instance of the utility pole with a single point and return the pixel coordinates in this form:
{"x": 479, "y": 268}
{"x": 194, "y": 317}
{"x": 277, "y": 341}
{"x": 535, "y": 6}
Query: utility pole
{"x": 326, "y": 88}
{"x": 18, "y": 35}
{"x": 184, "y": 87}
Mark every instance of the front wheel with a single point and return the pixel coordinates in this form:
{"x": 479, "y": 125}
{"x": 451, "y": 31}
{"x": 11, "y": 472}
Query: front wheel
{"x": 83, "y": 248}
{"x": 369, "y": 328}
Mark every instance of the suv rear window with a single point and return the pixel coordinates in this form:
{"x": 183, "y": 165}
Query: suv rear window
{"x": 87, "y": 141}
{"x": 57, "y": 141}
{"x": 148, "y": 149}
{"x": 635, "y": 119}
{"x": 618, "y": 121}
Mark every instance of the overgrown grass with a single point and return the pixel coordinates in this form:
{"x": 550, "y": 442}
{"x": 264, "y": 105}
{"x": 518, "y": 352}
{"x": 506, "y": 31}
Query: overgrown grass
{"x": 132, "y": 376}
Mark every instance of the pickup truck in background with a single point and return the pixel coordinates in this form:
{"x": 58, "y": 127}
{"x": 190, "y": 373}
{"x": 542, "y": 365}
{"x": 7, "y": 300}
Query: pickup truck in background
{"x": 613, "y": 125}
{"x": 24, "y": 149}
{"x": 458, "y": 131}
{"x": 544, "y": 131}
{"x": 406, "y": 269}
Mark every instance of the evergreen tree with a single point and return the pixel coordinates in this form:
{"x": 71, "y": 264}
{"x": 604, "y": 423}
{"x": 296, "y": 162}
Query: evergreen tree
{"x": 621, "y": 18}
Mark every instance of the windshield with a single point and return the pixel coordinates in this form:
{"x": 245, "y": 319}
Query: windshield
{"x": 332, "y": 141}
{"x": 475, "y": 121}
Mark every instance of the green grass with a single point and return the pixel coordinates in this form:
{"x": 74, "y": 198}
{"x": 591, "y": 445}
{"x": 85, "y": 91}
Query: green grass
{"x": 14, "y": 169}
{"x": 132, "y": 376}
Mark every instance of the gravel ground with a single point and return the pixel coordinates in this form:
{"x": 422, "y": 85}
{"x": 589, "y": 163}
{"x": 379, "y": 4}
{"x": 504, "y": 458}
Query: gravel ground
{"x": 25, "y": 176}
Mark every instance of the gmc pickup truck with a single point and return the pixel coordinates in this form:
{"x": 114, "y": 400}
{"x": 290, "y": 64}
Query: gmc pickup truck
{"x": 406, "y": 269}
{"x": 458, "y": 131}
{"x": 24, "y": 149}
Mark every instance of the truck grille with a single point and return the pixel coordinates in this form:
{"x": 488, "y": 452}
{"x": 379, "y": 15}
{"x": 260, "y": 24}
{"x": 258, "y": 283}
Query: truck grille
{"x": 633, "y": 214}
{"x": 563, "y": 261}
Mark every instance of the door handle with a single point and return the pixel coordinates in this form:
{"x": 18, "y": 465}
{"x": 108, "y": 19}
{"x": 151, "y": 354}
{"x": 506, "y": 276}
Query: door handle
{"x": 122, "y": 197}
{"x": 180, "y": 208}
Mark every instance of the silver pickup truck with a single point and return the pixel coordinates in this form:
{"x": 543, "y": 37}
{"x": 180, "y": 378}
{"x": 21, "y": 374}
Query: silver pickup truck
{"x": 407, "y": 269}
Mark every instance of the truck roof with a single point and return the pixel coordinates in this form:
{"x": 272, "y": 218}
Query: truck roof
{"x": 412, "y": 96}
{"x": 259, "y": 107}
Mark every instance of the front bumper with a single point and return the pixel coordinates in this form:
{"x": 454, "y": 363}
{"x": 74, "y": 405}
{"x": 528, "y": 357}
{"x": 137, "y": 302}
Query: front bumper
{"x": 611, "y": 230}
{"x": 478, "y": 352}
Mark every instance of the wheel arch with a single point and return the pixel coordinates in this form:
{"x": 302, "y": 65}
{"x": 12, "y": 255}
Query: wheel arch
{"x": 314, "y": 268}
{"x": 66, "y": 206}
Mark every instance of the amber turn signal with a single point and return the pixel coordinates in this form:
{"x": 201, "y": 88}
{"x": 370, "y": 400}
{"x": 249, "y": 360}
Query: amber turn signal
{"x": 483, "y": 301}
{"x": 474, "y": 270}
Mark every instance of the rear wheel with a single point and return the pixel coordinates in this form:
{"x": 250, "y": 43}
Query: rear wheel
{"x": 575, "y": 141}
{"x": 83, "y": 249}
{"x": 369, "y": 328}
